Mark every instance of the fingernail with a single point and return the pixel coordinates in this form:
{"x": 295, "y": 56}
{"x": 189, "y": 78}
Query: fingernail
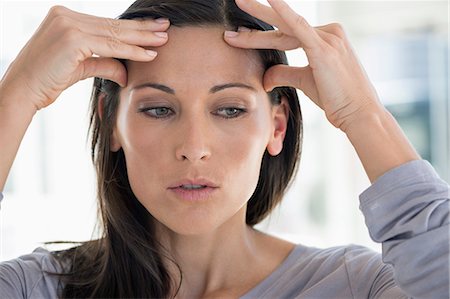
{"x": 244, "y": 29}
{"x": 162, "y": 20}
{"x": 151, "y": 53}
{"x": 161, "y": 34}
{"x": 231, "y": 33}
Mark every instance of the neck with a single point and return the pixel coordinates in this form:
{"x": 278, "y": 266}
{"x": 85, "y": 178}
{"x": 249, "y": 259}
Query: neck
{"x": 230, "y": 259}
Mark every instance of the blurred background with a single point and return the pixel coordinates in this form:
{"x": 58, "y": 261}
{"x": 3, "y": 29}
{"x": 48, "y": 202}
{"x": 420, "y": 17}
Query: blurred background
{"x": 50, "y": 193}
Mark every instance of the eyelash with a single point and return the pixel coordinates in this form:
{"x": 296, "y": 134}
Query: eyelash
{"x": 239, "y": 112}
{"x": 147, "y": 112}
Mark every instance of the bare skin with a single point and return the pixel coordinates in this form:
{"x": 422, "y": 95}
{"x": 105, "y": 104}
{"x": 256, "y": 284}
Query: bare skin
{"x": 334, "y": 80}
{"x": 190, "y": 133}
{"x": 41, "y": 72}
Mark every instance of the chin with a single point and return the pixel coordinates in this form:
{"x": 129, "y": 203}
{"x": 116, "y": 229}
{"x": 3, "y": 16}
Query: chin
{"x": 192, "y": 226}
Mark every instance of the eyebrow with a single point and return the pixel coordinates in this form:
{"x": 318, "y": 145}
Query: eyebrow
{"x": 213, "y": 89}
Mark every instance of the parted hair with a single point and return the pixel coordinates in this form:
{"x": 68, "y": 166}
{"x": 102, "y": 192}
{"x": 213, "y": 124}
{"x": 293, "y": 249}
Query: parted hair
{"x": 127, "y": 261}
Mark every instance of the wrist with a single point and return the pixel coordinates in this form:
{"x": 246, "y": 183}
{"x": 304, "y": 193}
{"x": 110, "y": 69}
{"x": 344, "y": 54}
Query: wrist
{"x": 15, "y": 97}
{"x": 374, "y": 116}
{"x": 379, "y": 141}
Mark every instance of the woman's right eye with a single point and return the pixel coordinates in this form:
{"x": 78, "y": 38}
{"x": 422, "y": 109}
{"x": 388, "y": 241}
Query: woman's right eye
{"x": 157, "y": 112}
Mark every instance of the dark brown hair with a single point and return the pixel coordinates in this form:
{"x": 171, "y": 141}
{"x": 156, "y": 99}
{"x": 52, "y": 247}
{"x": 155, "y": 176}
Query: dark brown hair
{"x": 128, "y": 261}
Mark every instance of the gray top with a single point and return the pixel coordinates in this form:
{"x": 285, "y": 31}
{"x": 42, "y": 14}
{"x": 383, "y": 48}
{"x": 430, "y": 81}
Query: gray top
{"x": 407, "y": 209}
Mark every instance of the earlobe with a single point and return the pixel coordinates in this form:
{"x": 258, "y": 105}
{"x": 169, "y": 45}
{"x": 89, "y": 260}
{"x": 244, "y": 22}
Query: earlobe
{"x": 115, "y": 144}
{"x": 280, "y": 116}
{"x": 114, "y": 141}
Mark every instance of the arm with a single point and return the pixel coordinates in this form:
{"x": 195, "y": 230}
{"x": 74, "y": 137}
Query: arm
{"x": 334, "y": 80}
{"x": 407, "y": 207}
{"x": 58, "y": 55}
{"x": 407, "y": 210}
{"x": 15, "y": 116}
{"x": 379, "y": 142}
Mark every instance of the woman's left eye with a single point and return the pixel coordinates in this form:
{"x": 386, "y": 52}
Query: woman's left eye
{"x": 230, "y": 112}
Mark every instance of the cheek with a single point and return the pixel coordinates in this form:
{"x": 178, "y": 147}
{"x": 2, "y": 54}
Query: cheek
{"x": 142, "y": 150}
{"x": 242, "y": 151}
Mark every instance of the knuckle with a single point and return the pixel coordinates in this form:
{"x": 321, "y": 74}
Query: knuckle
{"x": 278, "y": 34}
{"x": 337, "y": 29}
{"x": 57, "y": 10}
{"x": 276, "y": 42}
{"x": 142, "y": 22}
{"x": 113, "y": 43}
{"x": 113, "y": 27}
{"x": 301, "y": 22}
{"x": 61, "y": 21}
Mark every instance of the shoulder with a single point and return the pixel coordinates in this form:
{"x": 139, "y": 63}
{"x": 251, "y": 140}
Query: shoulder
{"x": 350, "y": 259}
{"x": 30, "y": 276}
{"x": 336, "y": 272}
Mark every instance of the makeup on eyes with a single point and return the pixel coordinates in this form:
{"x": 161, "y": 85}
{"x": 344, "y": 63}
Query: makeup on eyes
{"x": 233, "y": 100}
{"x": 162, "y": 112}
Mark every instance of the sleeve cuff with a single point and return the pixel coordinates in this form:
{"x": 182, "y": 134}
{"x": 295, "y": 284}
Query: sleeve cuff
{"x": 402, "y": 201}
{"x": 416, "y": 171}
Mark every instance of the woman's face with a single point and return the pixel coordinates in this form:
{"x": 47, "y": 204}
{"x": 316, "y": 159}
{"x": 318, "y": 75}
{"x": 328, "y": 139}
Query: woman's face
{"x": 194, "y": 125}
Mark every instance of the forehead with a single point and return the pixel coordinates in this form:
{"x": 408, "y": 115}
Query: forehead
{"x": 197, "y": 55}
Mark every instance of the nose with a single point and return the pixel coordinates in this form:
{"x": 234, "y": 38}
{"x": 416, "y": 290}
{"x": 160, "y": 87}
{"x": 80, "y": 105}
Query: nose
{"x": 193, "y": 141}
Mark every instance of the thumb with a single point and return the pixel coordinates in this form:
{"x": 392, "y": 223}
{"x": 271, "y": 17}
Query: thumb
{"x": 106, "y": 68}
{"x": 285, "y": 75}
{"x": 282, "y": 75}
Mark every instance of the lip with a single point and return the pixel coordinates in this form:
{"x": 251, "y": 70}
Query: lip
{"x": 199, "y": 181}
{"x": 194, "y": 194}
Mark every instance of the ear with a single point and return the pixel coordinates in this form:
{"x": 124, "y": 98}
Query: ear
{"x": 280, "y": 116}
{"x": 114, "y": 141}
{"x": 114, "y": 144}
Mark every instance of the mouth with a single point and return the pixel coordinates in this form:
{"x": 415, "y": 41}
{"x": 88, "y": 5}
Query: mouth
{"x": 193, "y": 187}
{"x": 193, "y": 190}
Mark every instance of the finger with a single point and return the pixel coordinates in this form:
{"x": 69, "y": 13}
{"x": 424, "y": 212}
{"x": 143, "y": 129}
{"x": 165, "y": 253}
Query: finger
{"x": 128, "y": 36}
{"x": 106, "y": 68}
{"x": 264, "y": 13}
{"x": 112, "y": 47}
{"x": 298, "y": 25}
{"x": 298, "y": 77}
{"x": 160, "y": 24}
{"x": 282, "y": 75}
{"x": 135, "y": 24}
{"x": 256, "y": 39}
{"x": 333, "y": 28}
{"x": 116, "y": 29}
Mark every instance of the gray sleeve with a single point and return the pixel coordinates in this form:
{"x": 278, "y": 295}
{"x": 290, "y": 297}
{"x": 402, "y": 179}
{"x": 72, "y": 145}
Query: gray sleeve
{"x": 407, "y": 210}
{"x": 369, "y": 277}
{"x": 27, "y": 277}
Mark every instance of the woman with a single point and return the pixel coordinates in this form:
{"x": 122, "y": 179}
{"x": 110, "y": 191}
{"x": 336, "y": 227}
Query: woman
{"x": 195, "y": 139}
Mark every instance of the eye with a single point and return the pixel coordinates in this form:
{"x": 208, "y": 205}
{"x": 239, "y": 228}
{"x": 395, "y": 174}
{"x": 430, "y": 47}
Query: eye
{"x": 157, "y": 112}
{"x": 230, "y": 112}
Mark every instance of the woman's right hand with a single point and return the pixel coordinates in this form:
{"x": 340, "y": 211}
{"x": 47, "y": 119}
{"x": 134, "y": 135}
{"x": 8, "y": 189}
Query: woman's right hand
{"x": 70, "y": 46}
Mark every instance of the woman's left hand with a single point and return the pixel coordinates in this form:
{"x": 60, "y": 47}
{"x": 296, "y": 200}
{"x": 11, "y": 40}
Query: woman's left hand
{"x": 334, "y": 78}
